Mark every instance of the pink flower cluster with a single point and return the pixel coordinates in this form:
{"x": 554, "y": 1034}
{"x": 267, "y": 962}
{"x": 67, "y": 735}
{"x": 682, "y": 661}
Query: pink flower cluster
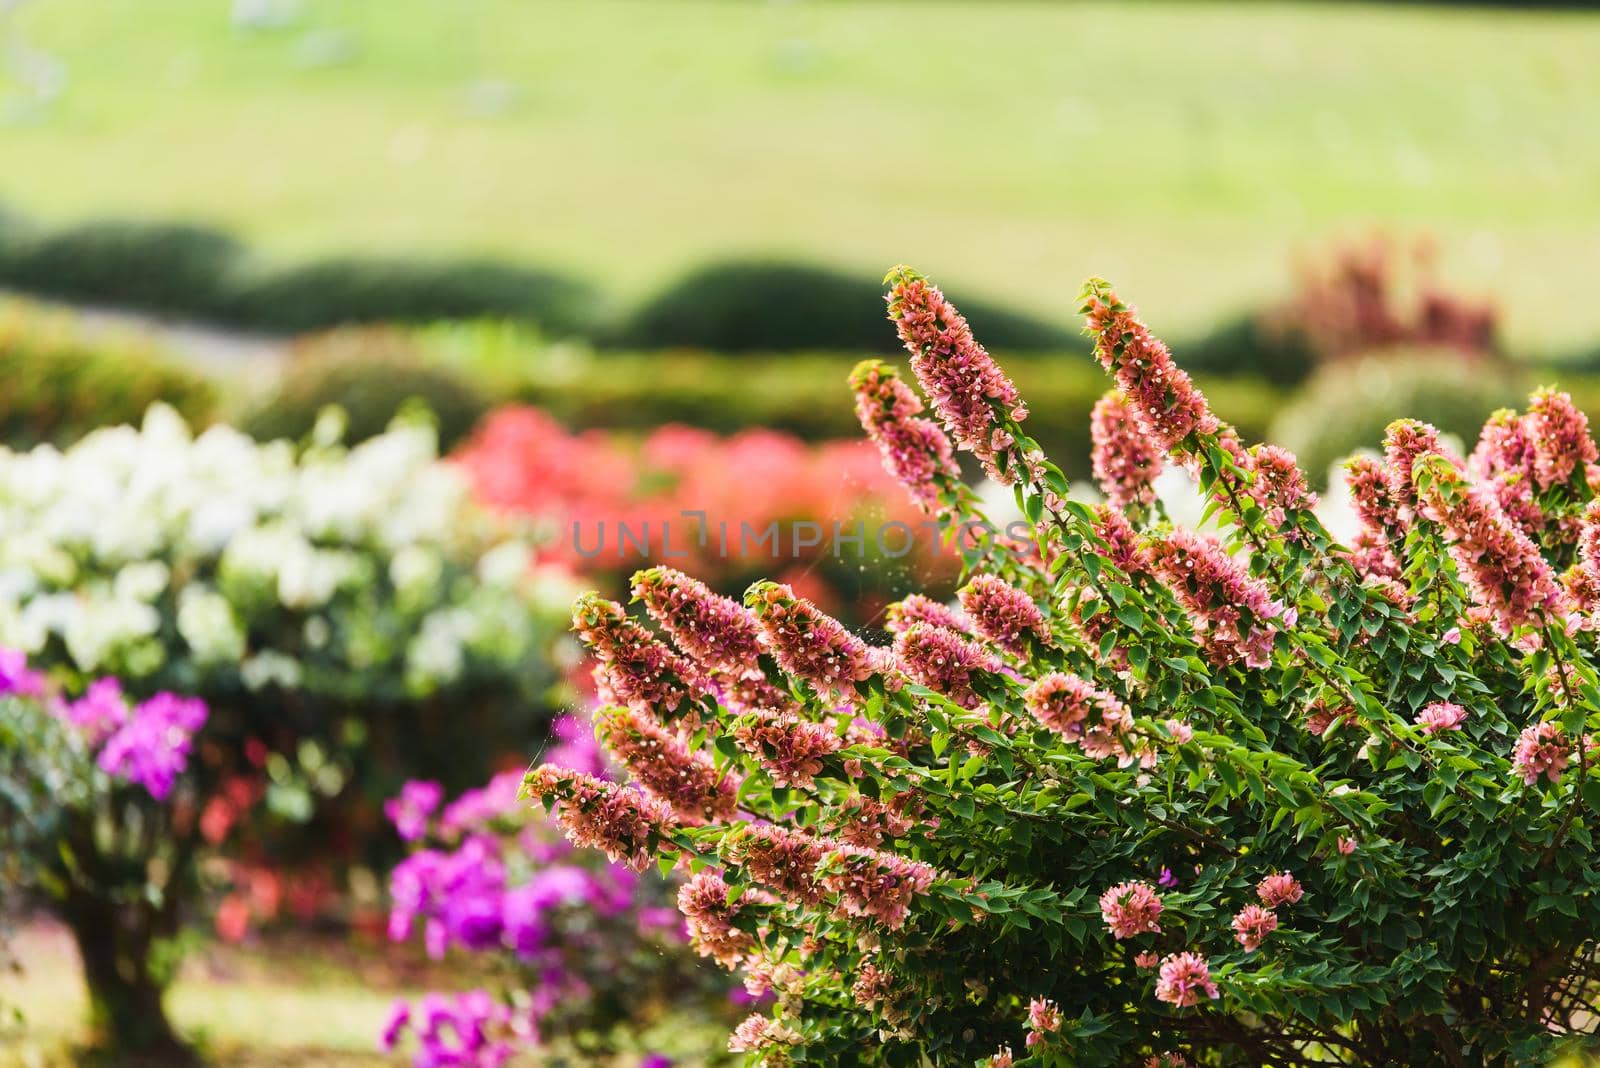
{"x": 1441, "y": 716}
{"x": 1005, "y": 615}
{"x": 806, "y": 642}
{"x": 1404, "y": 443}
{"x": 634, "y": 667}
{"x": 1277, "y": 484}
{"x": 791, "y": 749}
{"x": 1044, "y": 1018}
{"x": 1131, "y": 909}
{"x": 781, "y": 860}
{"x": 1234, "y": 614}
{"x": 1183, "y": 979}
{"x": 1080, "y": 712}
{"x": 686, "y": 780}
{"x": 967, "y": 388}
{"x": 1501, "y": 565}
{"x": 874, "y": 883}
{"x": 1125, "y": 462}
{"x": 717, "y": 631}
{"x": 624, "y": 824}
{"x": 914, "y": 450}
{"x": 1252, "y": 925}
{"x": 760, "y": 1033}
{"x": 1541, "y": 749}
{"x": 1279, "y": 888}
{"x": 916, "y": 608}
{"x": 1160, "y": 394}
{"x": 944, "y": 662}
{"x": 704, "y": 902}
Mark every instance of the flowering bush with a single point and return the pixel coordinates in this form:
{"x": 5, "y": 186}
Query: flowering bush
{"x": 94, "y": 791}
{"x": 338, "y": 609}
{"x": 1148, "y": 795}
{"x": 606, "y": 506}
{"x": 590, "y": 945}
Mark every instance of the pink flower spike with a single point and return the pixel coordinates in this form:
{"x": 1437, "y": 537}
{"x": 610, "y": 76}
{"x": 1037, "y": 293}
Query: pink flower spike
{"x": 914, "y": 450}
{"x": 966, "y": 387}
{"x": 1160, "y": 394}
{"x": 806, "y": 642}
{"x": 717, "y": 631}
{"x": 1125, "y": 462}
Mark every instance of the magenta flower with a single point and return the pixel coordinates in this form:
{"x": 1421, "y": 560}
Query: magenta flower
{"x": 1124, "y": 461}
{"x": 806, "y": 642}
{"x": 1161, "y": 396}
{"x": 1183, "y": 979}
{"x": 717, "y": 631}
{"x": 411, "y": 810}
{"x": 152, "y": 748}
{"x": 1004, "y": 614}
{"x": 789, "y": 748}
{"x": 1233, "y": 613}
{"x": 1131, "y": 909}
{"x": 967, "y": 388}
{"x": 1541, "y": 749}
{"x": 16, "y": 678}
{"x": 658, "y": 760}
{"x": 1280, "y": 888}
{"x": 915, "y": 451}
{"x": 99, "y": 712}
{"x": 1441, "y": 716}
{"x": 1252, "y": 925}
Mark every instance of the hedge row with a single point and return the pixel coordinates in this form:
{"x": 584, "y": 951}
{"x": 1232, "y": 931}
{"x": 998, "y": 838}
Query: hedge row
{"x": 62, "y": 381}
{"x": 201, "y": 273}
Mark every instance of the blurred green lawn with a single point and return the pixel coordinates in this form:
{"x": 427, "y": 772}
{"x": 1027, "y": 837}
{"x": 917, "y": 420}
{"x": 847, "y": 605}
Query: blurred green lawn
{"x": 1182, "y": 150}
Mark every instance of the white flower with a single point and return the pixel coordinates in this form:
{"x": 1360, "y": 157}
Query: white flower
{"x": 207, "y": 624}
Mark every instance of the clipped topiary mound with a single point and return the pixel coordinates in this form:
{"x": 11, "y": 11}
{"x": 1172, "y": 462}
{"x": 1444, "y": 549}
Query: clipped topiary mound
{"x": 373, "y": 374}
{"x": 749, "y": 306}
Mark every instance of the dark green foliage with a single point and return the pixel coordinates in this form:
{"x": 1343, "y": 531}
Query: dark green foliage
{"x": 1246, "y": 345}
{"x": 746, "y": 306}
{"x": 372, "y": 373}
{"x": 343, "y": 290}
{"x": 165, "y": 267}
{"x": 59, "y": 384}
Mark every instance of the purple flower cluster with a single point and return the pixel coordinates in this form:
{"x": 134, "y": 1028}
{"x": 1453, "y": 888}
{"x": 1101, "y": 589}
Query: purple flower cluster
{"x": 147, "y": 744}
{"x": 470, "y": 1030}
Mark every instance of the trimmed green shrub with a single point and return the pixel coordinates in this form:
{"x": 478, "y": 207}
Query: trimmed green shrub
{"x": 338, "y": 291}
{"x": 160, "y": 266}
{"x": 1247, "y": 345}
{"x": 738, "y": 306}
{"x": 61, "y": 383}
{"x": 372, "y": 373}
{"x": 1347, "y": 405}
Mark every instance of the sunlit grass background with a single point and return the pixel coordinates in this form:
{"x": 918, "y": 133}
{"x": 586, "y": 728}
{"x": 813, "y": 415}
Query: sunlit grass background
{"x": 1183, "y": 150}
